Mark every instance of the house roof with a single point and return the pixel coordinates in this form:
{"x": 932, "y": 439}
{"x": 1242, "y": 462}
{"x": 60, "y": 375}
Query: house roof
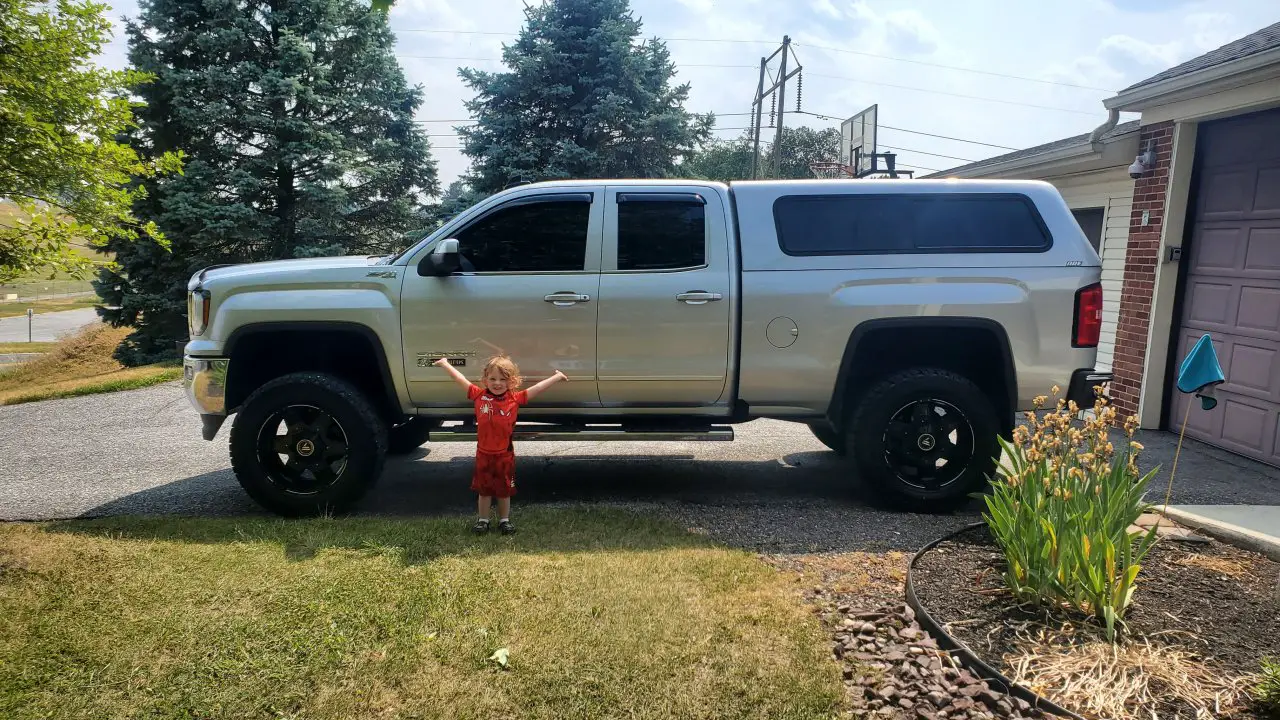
{"x": 1031, "y": 152}
{"x": 1265, "y": 39}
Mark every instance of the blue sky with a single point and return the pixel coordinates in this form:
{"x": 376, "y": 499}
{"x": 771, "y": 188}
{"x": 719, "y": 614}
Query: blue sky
{"x": 1103, "y": 45}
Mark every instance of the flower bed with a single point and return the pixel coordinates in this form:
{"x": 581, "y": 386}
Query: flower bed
{"x": 1201, "y": 621}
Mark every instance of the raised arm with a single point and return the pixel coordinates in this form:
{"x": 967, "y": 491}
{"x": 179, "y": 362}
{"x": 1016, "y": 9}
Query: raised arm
{"x": 453, "y": 372}
{"x": 537, "y": 389}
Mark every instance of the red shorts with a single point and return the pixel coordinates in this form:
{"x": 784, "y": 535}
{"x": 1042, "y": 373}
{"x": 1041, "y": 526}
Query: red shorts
{"x": 495, "y": 474}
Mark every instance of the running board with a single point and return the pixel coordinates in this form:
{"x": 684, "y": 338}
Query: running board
{"x": 591, "y": 433}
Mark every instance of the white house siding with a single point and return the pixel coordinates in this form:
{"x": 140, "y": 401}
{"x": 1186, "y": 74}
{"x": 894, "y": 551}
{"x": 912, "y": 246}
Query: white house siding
{"x": 1111, "y": 189}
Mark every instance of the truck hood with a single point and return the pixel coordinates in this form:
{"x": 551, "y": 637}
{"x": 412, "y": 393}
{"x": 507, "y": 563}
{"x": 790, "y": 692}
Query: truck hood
{"x": 261, "y": 271}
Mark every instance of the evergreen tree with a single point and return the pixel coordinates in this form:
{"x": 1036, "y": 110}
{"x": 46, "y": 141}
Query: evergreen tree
{"x": 297, "y": 125}
{"x": 583, "y": 98}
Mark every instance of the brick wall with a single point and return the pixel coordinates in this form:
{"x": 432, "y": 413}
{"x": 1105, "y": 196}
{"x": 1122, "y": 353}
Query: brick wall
{"x": 1141, "y": 259}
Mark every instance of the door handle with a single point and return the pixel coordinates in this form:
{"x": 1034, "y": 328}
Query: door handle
{"x": 566, "y": 298}
{"x": 698, "y": 297}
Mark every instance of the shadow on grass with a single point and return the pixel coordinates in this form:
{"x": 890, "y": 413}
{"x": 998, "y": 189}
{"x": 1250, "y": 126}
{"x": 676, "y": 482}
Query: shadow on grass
{"x": 412, "y": 540}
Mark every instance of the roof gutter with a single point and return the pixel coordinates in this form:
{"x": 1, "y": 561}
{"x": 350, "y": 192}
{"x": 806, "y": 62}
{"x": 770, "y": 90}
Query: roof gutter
{"x": 1095, "y": 137}
{"x": 1135, "y": 99}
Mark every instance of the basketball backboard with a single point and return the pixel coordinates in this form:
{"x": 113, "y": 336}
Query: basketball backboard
{"x": 858, "y": 141}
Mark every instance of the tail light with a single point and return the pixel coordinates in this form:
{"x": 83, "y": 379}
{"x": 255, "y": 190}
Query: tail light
{"x": 1087, "y": 328}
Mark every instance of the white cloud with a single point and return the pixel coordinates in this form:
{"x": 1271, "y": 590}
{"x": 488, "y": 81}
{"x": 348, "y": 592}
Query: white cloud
{"x": 1210, "y": 30}
{"x": 1125, "y": 48}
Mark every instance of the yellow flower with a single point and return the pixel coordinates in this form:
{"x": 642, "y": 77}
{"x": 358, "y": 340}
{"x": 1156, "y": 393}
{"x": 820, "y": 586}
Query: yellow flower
{"x": 1055, "y": 390}
{"x": 1136, "y": 446}
{"x": 1039, "y": 401}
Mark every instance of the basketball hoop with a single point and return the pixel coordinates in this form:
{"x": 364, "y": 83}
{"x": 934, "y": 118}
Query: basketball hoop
{"x": 830, "y": 170}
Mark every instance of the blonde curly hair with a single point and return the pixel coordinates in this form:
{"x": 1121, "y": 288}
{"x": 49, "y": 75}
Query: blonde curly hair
{"x": 505, "y": 367}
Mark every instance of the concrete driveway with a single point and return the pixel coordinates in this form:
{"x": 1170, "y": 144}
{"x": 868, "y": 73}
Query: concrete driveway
{"x": 46, "y": 327}
{"x": 774, "y": 489}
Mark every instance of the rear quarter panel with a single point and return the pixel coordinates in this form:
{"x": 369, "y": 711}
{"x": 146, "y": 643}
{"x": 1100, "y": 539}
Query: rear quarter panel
{"x": 1030, "y": 295}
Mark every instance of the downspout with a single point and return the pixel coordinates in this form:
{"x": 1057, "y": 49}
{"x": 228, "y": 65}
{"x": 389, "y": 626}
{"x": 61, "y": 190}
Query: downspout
{"x": 1113, "y": 117}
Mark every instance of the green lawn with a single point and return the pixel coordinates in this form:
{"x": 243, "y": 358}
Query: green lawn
{"x": 603, "y": 614}
{"x": 15, "y": 309}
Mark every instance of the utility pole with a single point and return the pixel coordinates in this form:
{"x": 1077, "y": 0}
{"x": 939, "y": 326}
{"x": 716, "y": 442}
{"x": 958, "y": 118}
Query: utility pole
{"x": 782, "y": 106}
{"x": 757, "y": 106}
{"x": 758, "y": 109}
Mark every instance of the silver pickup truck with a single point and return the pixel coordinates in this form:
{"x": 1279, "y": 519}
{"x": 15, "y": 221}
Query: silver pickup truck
{"x": 903, "y": 321}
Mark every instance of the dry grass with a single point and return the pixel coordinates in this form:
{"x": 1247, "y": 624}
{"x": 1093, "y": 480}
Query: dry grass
{"x": 26, "y": 347}
{"x": 603, "y": 613}
{"x": 1220, "y": 565}
{"x": 1123, "y": 681}
{"x": 80, "y": 365}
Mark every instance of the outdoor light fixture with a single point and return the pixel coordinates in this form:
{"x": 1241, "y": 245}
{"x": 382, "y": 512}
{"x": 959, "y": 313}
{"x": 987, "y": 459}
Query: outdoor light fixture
{"x": 1144, "y": 162}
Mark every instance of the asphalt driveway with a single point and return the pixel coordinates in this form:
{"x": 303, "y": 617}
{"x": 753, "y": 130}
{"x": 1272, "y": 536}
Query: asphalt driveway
{"x": 775, "y": 489}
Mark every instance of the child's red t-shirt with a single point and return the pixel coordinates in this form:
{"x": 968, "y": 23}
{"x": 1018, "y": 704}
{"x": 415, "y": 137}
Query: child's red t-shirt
{"x": 496, "y": 417}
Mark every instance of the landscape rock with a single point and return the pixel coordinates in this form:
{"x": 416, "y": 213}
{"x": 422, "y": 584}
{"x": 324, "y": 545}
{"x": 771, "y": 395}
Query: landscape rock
{"x": 892, "y": 668}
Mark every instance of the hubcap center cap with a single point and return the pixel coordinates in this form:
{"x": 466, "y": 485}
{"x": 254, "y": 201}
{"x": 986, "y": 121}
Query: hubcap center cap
{"x": 926, "y": 442}
{"x": 305, "y": 447}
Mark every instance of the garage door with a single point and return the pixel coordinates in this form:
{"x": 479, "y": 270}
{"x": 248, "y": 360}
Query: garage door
{"x": 1232, "y": 288}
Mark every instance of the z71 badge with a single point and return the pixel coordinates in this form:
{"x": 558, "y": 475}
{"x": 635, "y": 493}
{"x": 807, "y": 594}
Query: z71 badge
{"x": 456, "y": 362}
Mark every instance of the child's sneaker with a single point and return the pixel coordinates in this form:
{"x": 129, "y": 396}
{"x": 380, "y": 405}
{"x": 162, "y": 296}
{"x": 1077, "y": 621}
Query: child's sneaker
{"x": 506, "y": 527}
{"x": 481, "y": 527}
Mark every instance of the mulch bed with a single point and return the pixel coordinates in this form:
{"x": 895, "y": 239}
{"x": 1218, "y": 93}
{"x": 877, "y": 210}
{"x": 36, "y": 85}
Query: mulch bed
{"x": 1214, "y": 600}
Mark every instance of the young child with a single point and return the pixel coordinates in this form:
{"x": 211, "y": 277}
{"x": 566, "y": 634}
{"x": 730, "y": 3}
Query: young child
{"x": 497, "y": 403}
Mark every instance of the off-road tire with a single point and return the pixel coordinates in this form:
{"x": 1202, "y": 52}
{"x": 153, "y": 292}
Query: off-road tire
{"x": 868, "y": 437}
{"x": 410, "y": 435}
{"x": 364, "y": 431}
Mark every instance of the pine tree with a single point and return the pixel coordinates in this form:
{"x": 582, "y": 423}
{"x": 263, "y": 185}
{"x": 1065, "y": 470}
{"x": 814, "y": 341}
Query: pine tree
{"x": 297, "y": 125}
{"x": 583, "y": 98}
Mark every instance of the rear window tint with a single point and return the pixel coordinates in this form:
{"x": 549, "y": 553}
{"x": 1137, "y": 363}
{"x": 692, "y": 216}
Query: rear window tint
{"x": 880, "y": 224}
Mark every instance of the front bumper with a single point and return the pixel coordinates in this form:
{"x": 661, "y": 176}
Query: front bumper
{"x": 1081, "y": 390}
{"x": 205, "y": 381}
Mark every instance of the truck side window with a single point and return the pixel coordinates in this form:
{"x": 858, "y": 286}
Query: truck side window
{"x": 908, "y": 223}
{"x": 530, "y": 237}
{"x": 665, "y": 235}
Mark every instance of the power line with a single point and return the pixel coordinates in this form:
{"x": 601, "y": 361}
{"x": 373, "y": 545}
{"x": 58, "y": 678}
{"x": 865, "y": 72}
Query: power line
{"x": 955, "y": 67}
{"x": 951, "y": 94}
{"x": 802, "y": 112}
{"x": 923, "y": 152}
{"x": 944, "y": 137}
{"x": 827, "y": 48}
{"x": 880, "y": 126}
{"x": 813, "y": 74}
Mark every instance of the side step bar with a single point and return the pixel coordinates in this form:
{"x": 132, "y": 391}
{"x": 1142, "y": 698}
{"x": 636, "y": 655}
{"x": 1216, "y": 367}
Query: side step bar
{"x": 590, "y": 433}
